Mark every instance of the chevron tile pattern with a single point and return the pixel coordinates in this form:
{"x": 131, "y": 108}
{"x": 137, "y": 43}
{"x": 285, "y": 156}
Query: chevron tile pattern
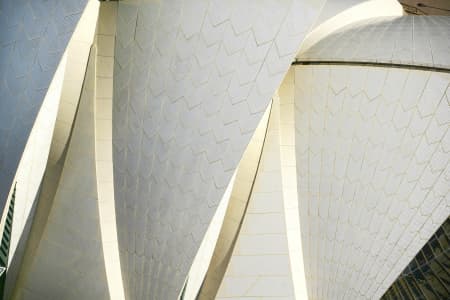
{"x": 191, "y": 82}
{"x": 33, "y": 37}
{"x": 372, "y": 149}
{"x": 241, "y": 188}
{"x": 373, "y": 175}
{"x": 410, "y": 40}
{"x": 330, "y": 197}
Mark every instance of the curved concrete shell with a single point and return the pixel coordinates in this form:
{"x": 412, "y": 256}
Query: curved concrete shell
{"x": 40, "y": 167}
{"x": 69, "y": 252}
{"x": 372, "y": 145}
{"x": 169, "y": 160}
{"x": 372, "y": 165}
{"x": 191, "y": 82}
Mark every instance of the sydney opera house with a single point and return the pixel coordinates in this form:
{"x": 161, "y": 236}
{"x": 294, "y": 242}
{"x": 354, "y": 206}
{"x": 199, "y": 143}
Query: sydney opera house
{"x": 224, "y": 149}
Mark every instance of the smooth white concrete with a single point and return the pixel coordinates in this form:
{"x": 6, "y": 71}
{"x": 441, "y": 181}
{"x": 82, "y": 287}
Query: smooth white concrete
{"x": 103, "y": 147}
{"x": 288, "y": 162}
{"x": 77, "y": 56}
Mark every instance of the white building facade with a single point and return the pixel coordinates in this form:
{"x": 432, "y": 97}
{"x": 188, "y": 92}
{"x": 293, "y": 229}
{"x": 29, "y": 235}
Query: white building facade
{"x": 226, "y": 150}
